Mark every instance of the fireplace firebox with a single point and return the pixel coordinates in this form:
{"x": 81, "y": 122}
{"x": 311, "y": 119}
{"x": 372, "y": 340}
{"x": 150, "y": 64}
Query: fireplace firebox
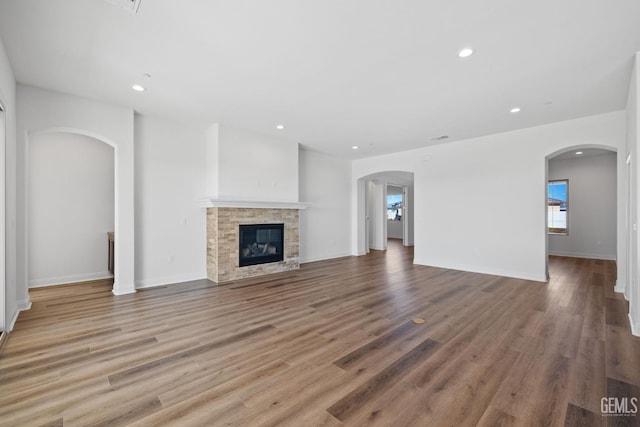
{"x": 261, "y": 244}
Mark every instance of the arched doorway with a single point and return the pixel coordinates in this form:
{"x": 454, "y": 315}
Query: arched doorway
{"x": 105, "y": 145}
{"x": 70, "y": 208}
{"x": 581, "y": 209}
{"x": 3, "y": 299}
{"x": 372, "y": 227}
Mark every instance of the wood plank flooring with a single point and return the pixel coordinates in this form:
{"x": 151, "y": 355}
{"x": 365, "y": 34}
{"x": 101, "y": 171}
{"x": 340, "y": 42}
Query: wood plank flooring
{"x": 332, "y": 344}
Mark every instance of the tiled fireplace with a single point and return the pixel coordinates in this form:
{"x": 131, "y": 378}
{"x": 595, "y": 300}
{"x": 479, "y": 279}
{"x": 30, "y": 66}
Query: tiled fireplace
{"x": 223, "y": 239}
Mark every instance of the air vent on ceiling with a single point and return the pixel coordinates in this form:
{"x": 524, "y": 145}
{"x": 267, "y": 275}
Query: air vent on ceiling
{"x": 128, "y": 5}
{"x": 440, "y": 138}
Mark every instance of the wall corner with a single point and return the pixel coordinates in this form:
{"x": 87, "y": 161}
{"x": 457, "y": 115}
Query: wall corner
{"x": 635, "y": 326}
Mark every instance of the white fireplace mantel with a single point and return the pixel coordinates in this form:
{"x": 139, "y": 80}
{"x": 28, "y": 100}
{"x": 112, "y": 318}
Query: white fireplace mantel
{"x": 217, "y": 203}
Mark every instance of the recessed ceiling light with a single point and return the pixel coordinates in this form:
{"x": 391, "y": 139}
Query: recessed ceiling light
{"x": 515, "y": 110}
{"x": 137, "y": 88}
{"x": 280, "y": 127}
{"x": 579, "y": 152}
{"x": 355, "y": 147}
{"x": 465, "y": 53}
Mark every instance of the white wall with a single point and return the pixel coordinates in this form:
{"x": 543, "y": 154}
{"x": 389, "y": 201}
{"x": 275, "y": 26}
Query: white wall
{"x": 377, "y": 214}
{"x": 325, "y": 227}
{"x": 394, "y": 228}
{"x": 591, "y": 208}
{"x": 409, "y": 215}
{"x": 458, "y": 186}
{"x": 369, "y": 215}
{"x": 170, "y": 178}
{"x": 71, "y": 206}
{"x": 250, "y": 166}
{"x": 11, "y": 300}
{"x": 212, "y": 151}
{"x": 43, "y": 111}
{"x": 3, "y": 145}
{"x": 631, "y": 288}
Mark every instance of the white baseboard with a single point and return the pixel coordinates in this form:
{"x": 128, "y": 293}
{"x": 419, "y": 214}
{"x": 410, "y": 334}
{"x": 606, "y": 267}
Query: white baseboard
{"x": 482, "y": 270}
{"x": 120, "y": 291}
{"x": 619, "y": 288}
{"x": 583, "y": 255}
{"x": 162, "y": 281}
{"x": 324, "y": 257}
{"x": 64, "y": 280}
{"x": 23, "y": 305}
{"x": 635, "y": 326}
{"x": 13, "y": 320}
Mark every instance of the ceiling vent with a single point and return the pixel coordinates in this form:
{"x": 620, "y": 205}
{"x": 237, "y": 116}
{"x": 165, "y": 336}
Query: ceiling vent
{"x": 128, "y": 5}
{"x": 440, "y": 138}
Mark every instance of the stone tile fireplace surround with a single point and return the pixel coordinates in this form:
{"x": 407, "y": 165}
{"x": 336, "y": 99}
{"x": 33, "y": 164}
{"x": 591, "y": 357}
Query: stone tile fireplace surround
{"x": 223, "y": 221}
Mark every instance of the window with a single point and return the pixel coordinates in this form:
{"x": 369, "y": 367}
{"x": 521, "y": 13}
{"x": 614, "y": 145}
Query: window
{"x": 557, "y": 192}
{"x": 394, "y": 207}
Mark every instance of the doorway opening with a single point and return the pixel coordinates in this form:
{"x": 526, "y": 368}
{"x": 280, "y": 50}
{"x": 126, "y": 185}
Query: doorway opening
{"x": 395, "y": 199}
{"x": 581, "y": 204}
{"x": 374, "y": 212}
{"x": 70, "y": 208}
{"x": 3, "y": 292}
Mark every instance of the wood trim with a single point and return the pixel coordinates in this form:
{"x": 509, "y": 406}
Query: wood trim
{"x": 216, "y": 203}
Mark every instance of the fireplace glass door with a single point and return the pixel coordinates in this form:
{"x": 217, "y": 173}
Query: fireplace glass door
{"x": 261, "y": 244}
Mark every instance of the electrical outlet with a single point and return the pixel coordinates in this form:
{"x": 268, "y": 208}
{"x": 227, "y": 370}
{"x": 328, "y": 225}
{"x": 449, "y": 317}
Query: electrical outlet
{"x": 172, "y": 258}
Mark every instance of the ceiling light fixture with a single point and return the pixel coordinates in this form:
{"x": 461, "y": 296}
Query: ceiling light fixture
{"x": 465, "y": 53}
{"x": 355, "y": 147}
{"x": 280, "y": 127}
{"x": 138, "y": 88}
{"x": 515, "y": 110}
{"x": 579, "y": 153}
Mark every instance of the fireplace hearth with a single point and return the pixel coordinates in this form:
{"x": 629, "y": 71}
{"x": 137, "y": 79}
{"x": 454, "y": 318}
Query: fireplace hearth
{"x": 260, "y": 244}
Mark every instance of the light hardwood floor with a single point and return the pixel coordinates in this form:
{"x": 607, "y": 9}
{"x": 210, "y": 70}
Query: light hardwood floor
{"x": 331, "y": 344}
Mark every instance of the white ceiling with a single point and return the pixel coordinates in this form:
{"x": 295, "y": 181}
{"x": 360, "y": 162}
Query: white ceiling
{"x": 383, "y": 75}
